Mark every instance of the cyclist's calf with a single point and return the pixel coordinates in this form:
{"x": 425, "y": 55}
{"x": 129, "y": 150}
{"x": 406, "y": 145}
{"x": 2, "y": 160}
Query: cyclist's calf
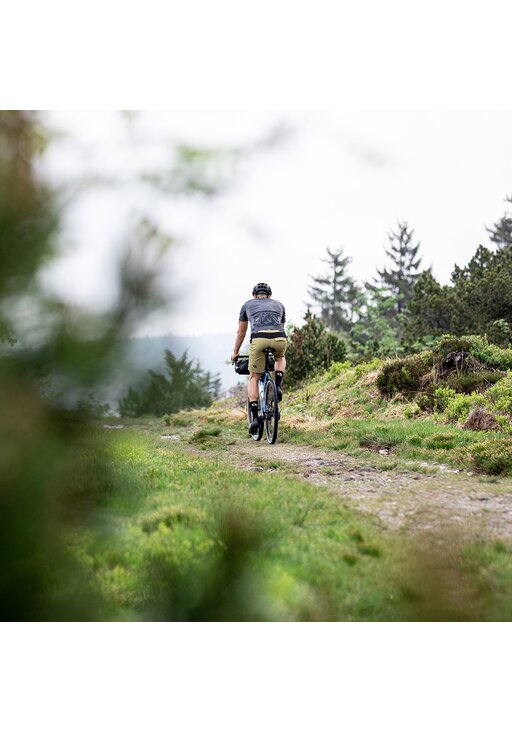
{"x": 280, "y": 364}
{"x": 252, "y": 388}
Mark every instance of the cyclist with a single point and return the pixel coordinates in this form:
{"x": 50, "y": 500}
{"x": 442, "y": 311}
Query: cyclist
{"x": 267, "y": 318}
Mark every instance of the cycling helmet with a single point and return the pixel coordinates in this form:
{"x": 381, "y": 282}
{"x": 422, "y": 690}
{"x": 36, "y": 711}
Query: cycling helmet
{"x": 261, "y": 289}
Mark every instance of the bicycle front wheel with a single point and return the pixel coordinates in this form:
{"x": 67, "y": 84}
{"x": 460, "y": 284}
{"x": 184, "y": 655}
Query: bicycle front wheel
{"x": 272, "y": 412}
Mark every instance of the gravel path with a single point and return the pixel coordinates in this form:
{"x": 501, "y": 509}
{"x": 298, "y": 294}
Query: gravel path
{"x": 404, "y": 501}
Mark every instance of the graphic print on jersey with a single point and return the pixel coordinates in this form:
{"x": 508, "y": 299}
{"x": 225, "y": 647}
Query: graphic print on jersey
{"x": 263, "y": 314}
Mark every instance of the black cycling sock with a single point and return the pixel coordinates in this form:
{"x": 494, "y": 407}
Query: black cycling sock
{"x": 253, "y": 408}
{"x": 279, "y": 377}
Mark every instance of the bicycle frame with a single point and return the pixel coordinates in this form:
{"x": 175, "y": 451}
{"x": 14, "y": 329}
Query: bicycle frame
{"x": 262, "y": 383}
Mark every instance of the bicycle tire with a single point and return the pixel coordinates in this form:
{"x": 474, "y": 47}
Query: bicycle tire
{"x": 259, "y": 434}
{"x": 271, "y": 412}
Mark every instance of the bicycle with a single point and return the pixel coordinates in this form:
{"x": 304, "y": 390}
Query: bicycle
{"x": 269, "y": 412}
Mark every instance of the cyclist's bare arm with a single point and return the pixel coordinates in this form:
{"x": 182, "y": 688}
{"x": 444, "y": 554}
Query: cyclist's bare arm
{"x": 240, "y": 335}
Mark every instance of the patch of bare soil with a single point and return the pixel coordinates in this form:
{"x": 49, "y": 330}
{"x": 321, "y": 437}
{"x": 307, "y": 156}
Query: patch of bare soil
{"x": 403, "y": 501}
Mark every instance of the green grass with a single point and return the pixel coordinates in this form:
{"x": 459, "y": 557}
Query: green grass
{"x": 193, "y": 538}
{"x": 422, "y": 440}
{"x": 189, "y": 537}
{"x": 342, "y": 390}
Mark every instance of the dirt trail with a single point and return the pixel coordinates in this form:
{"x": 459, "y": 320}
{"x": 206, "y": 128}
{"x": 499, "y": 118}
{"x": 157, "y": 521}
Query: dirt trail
{"x": 405, "y": 501}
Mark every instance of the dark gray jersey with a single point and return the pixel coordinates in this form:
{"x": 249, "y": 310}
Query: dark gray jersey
{"x": 264, "y": 314}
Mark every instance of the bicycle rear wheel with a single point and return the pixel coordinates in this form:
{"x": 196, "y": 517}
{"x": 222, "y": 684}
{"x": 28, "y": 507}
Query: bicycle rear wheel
{"x": 259, "y": 434}
{"x": 272, "y": 412}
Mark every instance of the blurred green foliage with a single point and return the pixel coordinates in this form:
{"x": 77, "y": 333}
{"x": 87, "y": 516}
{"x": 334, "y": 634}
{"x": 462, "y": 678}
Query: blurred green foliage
{"x": 54, "y": 467}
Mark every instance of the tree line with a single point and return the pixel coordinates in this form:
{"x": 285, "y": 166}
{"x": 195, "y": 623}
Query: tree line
{"x": 404, "y": 308}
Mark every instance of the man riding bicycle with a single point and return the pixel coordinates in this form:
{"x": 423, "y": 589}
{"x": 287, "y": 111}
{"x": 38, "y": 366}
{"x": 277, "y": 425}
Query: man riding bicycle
{"x": 267, "y": 318}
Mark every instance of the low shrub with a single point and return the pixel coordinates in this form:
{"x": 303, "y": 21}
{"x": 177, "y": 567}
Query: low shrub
{"x": 412, "y": 410}
{"x": 336, "y": 368}
{"x": 465, "y": 364}
{"x": 377, "y": 438}
{"x": 182, "y": 419}
{"x": 426, "y": 402}
{"x": 478, "y": 346}
{"x": 500, "y": 395}
{"x": 443, "y": 395}
{"x": 404, "y": 375}
{"x": 374, "y": 442}
{"x": 440, "y": 441}
{"x": 504, "y": 422}
{"x": 458, "y": 376}
{"x": 460, "y": 406}
{"x": 490, "y": 410}
{"x": 205, "y": 434}
{"x": 473, "y": 381}
{"x": 492, "y": 457}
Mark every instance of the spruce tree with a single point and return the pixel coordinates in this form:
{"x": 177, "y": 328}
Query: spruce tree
{"x": 336, "y": 294}
{"x": 398, "y": 280}
{"x": 185, "y": 386}
{"x": 501, "y": 231}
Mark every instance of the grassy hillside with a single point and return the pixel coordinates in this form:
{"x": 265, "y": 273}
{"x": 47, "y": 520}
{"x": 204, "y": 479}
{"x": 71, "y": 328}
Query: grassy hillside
{"x": 465, "y": 370}
{"x": 452, "y": 405}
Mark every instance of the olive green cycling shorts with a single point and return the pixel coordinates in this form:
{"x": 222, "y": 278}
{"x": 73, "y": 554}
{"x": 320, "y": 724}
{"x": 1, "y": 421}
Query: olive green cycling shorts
{"x": 257, "y": 352}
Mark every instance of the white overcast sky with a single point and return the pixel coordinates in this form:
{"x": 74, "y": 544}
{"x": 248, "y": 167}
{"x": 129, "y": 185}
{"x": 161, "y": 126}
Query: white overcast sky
{"x": 339, "y": 179}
